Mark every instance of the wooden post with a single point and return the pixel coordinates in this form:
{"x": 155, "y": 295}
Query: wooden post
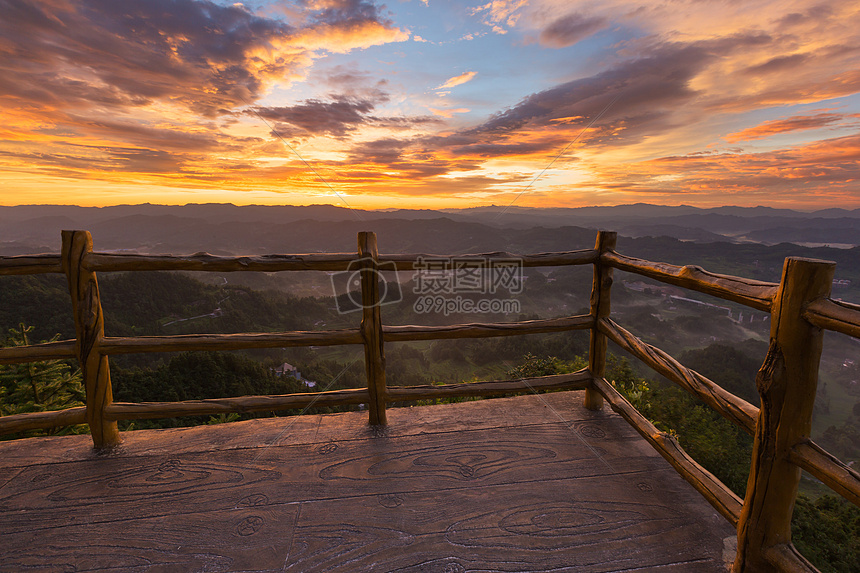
{"x": 371, "y": 327}
{"x": 89, "y": 328}
{"x": 600, "y": 304}
{"x": 786, "y": 382}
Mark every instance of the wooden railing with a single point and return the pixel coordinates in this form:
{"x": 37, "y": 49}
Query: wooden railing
{"x": 799, "y": 305}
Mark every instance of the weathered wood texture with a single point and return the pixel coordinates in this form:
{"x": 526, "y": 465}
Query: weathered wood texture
{"x": 147, "y": 410}
{"x": 574, "y": 381}
{"x": 30, "y": 265}
{"x": 271, "y": 263}
{"x": 214, "y": 263}
{"x": 724, "y": 402}
{"x": 787, "y": 559}
{"x": 486, "y": 329}
{"x": 601, "y": 288}
{"x": 835, "y": 315}
{"x": 371, "y": 326}
{"x": 830, "y": 470}
{"x": 89, "y": 328}
{"x": 35, "y": 352}
{"x": 786, "y": 383}
{"x": 712, "y": 489}
{"x": 532, "y": 483}
{"x": 187, "y": 342}
{"x": 240, "y": 404}
{"x": 42, "y": 420}
{"x": 756, "y": 294}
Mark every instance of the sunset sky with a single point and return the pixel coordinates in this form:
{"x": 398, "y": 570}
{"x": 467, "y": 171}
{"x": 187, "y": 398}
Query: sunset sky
{"x": 430, "y": 104}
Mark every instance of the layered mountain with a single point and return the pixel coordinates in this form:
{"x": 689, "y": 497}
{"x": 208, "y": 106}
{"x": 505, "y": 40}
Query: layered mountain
{"x": 231, "y": 229}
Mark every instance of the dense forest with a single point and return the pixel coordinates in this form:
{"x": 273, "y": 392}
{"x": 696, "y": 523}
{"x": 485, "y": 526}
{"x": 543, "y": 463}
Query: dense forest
{"x": 36, "y": 308}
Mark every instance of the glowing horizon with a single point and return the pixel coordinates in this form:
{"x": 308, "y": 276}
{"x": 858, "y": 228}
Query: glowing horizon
{"x": 431, "y": 104}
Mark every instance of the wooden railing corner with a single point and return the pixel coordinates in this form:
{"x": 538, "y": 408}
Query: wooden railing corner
{"x": 787, "y": 384}
{"x": 601, "y": 286}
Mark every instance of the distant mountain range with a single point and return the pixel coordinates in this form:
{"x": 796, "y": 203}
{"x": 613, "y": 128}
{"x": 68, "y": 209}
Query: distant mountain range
{"x": 231, "y": 229}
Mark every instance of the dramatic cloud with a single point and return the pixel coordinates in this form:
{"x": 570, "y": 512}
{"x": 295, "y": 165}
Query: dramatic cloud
{"x": 638, "y": 97}
{"x": 807, "y": 176}
{"x": 335, "y": 118}
{"x": 344, "y": 25}
{"x": 154, "y": 86}
{"x": 627, "y": 100}
{"x": 338, "y": 117}
{"x": 90, "y": 52}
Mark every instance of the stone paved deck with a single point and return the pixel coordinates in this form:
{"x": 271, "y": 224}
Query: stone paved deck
{"x": 532, "y": 483}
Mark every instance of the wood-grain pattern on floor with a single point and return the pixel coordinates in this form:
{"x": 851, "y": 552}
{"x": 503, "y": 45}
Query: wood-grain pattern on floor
{"x": 531, "y": 483}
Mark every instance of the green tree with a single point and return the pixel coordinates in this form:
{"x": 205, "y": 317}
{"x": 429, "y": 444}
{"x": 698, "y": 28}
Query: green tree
{"x": 38, "y": 386}
{"x": 827, "y": 532}
{"x": 533, "y": 366}
{"x": 731, "y": 368}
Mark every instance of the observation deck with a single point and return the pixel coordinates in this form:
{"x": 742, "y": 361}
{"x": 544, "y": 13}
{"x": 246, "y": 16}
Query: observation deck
{"x": 528, "y": 483}
{"x": 540, "y": 482}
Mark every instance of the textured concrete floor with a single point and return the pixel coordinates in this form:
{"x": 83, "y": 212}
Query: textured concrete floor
{"x": 532, "y": 483}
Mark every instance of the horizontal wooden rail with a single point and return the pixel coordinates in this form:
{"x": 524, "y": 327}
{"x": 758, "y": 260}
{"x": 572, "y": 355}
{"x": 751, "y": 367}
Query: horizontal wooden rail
{"x": 752, "y": 293}
{"x": 724, "y": 402}
{"x": 486, "y": 329}
{"x": 574, "y": 381}
{"x": 835, "y": 315}
{"x": 831, "y": 471}
{"x": 718, "y": 495}
{"x": 188, "y": 342}
{"x": 31, "y": 265}
{"x": 205, "y": 262}
{"x": 42, "y": 420}
{"x": 241, "y": 404}
{"x": 57, "y": 350}
{"x": 96, "y": 262}
{"x": 787, "y": 559}
{"x": 134, "y": 411}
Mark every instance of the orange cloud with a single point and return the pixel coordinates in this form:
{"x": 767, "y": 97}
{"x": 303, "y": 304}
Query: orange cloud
{"x": 806, "y": 175}
{"x": 449, "y": 113}
{"x": 500, "y": 12}
{"x": 797, "y": 123}
{"x": 457, "y": 80}
{"x": 345, "y": 38}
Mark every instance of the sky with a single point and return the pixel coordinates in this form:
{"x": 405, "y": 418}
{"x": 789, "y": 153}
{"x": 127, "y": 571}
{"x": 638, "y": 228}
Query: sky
{"x": 430, "y": 104}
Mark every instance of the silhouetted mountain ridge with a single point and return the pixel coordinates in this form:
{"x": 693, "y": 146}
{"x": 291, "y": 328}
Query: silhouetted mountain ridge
{"x": 226, "y": 228}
